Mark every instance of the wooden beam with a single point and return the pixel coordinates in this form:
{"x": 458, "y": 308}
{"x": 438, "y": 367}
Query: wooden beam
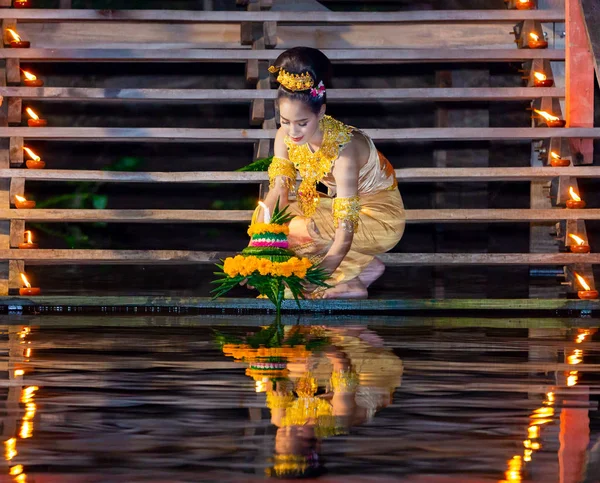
{"x": 179, "y": 257}
{"x": 404, "y": 175}
{"x": 321, "y": 17}
{"x": 233, "y": 95}
{"x": 243, "y": 55}
{"x": 217, "y": 216}
{"x": 156, "y": 134}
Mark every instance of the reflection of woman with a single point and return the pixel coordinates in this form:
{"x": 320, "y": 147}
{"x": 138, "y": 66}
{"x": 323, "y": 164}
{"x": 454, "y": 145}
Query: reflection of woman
{"x": 359, "y": 378}
{"x": 364, "y": 216}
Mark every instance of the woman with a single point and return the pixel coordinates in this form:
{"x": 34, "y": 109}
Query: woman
{"x": 363, "y": 216}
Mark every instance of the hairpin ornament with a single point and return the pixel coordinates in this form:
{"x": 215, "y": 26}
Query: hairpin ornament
{"x": 318, "y": 91}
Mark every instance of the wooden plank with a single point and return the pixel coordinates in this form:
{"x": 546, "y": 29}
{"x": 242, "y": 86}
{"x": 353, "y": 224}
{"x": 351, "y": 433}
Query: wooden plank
{"x": 153, "y": 54}
{"x": 218, "y": 95}
{"x": 405, "y": 175}
{"x": 178, "y": 257}
{"x": 202, "y": 216}
{"x": 157, "y": 134}
{"x": 320, "y": 17}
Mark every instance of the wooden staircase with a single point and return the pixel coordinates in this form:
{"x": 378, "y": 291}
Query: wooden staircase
{"x": 254, "y": 38}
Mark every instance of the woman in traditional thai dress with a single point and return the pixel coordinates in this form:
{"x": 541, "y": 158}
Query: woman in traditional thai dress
{"x": 362, "y": 216}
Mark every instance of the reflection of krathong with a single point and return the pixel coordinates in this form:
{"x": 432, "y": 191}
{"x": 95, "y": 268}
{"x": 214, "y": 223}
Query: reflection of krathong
{"x": 551, "y": 120}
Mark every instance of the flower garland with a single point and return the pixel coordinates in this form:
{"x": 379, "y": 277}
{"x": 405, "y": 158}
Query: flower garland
{"x": 248, "y": 265}
{"x": 260, "y": 228}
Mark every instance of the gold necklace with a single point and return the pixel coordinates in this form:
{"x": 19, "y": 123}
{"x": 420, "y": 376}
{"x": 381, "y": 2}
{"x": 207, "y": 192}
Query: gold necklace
{"x": 313, "y": 167}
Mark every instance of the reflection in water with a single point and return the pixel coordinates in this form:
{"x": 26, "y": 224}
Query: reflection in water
{"x": 418, "y": 404}
{"x": 319, "y": 382}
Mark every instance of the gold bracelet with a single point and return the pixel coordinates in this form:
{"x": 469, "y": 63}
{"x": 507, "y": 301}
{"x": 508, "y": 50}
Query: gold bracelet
{"x": 282, "y": 167}
{"x": 346, "y": 211}
{"x": 344, "y": 381}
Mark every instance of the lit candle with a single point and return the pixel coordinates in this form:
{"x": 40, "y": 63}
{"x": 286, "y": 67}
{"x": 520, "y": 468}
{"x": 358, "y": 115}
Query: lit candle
{"x": 534, "y": 42}
{"x": 28, "y": 289}
{"x": 551, "y": 121}
{"x": 541, "y": 80}
{"x": 23, "y": 203}
{"x": 34, "y": 163}
{"x": 575, "y": 202}
{"x": 580, "y": 245}
{"x": 525, "y": 4}
{"x": 28, "y": 243}
{"x": 557, "y": 162}
{"x": 30, "y": 80}
{"x": 21, "y": 4}
{"x": 35, "y": 120}
{"x": 587, "y": 293}
{"x": 267, "y": 213}
{"x": 16, "y": 42}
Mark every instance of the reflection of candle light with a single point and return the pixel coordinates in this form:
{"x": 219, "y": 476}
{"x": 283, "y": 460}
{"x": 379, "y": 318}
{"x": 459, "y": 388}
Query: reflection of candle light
{"x": 31, "y": 80}
{"x": 26, "y": 430}
{"x": 550, "y": 397}
{"x": 28, "y": 352}
{"x": 267, "y": 213}
{"x": 580, "y": 245}
{"x": 582, "y": 336}
{"x": 35, "y": 120}
{"x": 19, "y": 372}
{"x": 572, "y": 379}
{"x": 534, "y": 432}
{"x": 23, "y": 203}
{"x": 587, "y": 292}
{"x": 557, "y": 162}
{"x": 16, "y": 42}
{"x": 541, "y": 80}
{"x": 16, "y": 470}
{"x": 551, "y": 121}
{"x": 534, "y": 42}
{"x": 28, "y": 393}
{"x": 10, "y": 449}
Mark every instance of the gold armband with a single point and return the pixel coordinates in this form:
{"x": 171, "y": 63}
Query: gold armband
{"x": 282, "y": 167}
{"x": 346, "y": 211}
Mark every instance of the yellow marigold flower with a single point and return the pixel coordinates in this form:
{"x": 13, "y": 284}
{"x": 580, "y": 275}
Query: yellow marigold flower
{"x": 258, "y": 228}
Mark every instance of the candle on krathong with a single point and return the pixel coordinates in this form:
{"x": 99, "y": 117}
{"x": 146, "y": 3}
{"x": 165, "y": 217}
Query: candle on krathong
{"x": 267, "y": 213}
{"x": 557, "y": 162}
{"x": 21, "y": 4}
{"x": 541, "y": 80}
{"x": 575, "y": 202}
{"x": 534, "y": 41}
{"x": 35, "y": 162}
{"x": 28, "y": 243}
{"x": 587, "y": 293}
{"x": 580, "y": 245}
{"x": 23, "y": 203}
{"x": 551, "y": 121}
{"x": 28, "y": 289}
{"x": 31, "y": 80}
{"x": 35, "y": 120}
{"x": 525, "y": 4}
{"x": 16, "y": 42}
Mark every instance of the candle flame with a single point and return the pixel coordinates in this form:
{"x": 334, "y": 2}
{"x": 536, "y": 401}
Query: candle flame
{"x": 582, "y": 335}
{"x": 14, "y": 35}
{"x": 16, "y": 470}
{"x": 540, "y": 76}
{"x": 547, "y": 116}
{"x": 550, "y": 397}
{"x": 35, "y": 116}
{"x": 10, "y": 449}
{"x": 574, "y": 359}
{"x": 533, "y": 432}
{"x": 582, "y": 282}
{"x": 29, "y": 75}
{"x": 20, "y": 198}
{"x": 28, "y": 237}
{"x": 26, "y": 430}
{"x": 19, "y": 372}
{"x": 34, "y": 156}
{"x": 574, "y": 195}
{"x": 554, "y": 155}
{"x": 573, "y": 379}
{"x": 25, "y": 281}
{"x": 534, "y": 36}
{"x": 580, "y": 241}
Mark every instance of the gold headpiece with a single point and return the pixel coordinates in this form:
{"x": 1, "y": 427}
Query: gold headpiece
{"x": 293, "y": 82}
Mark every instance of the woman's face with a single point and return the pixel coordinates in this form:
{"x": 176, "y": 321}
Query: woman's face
{"x": 298, "y": 121}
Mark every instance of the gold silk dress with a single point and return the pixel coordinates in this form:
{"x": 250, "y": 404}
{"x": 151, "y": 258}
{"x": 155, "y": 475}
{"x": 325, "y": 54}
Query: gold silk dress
{"x": 381, "y": 218}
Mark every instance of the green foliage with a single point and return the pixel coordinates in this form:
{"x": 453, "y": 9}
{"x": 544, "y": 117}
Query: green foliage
{"x": 258, "y": 165}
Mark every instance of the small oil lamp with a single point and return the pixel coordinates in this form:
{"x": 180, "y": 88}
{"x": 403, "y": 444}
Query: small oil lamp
{"x": 534, "y": 42}
{"x": 587, "y": 293}
{"x": 28, "y": 289}
{"x": 541, "y": 80}
{"x": 30, "y": 80}
{"x": 557, "y": 162}
{"x": 34, "y": 163}
{"x": 575, "y": 202}
{"x": 21, "y": 4}
{"x": 16, "y": 42}
{"x": 28, "y": 243}
{"x": 525, "y": 4}
{"x": 35, "y": 120}
{"x": 551, "y": 121}
{"x": 23, "y": 203}
{"x": 580, "y": 245}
